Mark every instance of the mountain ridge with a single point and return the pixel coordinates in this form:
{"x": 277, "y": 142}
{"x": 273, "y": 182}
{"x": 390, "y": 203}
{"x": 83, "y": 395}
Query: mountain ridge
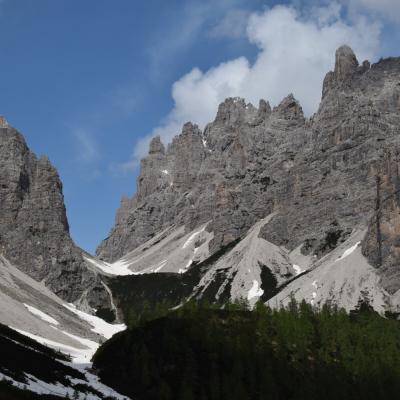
{"x": 263, "y": 205}
{"x": 315, "y": 177}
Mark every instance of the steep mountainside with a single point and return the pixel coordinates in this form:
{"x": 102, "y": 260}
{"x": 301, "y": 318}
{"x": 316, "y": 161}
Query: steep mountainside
{"x": 37, "y": 320}
{"x": 27, "y": 367}
{"x": 34, "y": 232}
{"x": 295, "y": 191}
{"x": 31, "y": 308}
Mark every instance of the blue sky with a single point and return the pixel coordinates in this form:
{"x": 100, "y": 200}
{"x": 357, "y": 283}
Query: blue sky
{"x": 88, "y": 82}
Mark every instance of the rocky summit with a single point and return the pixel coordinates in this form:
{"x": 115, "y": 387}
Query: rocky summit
{"x": 301, "y": 198}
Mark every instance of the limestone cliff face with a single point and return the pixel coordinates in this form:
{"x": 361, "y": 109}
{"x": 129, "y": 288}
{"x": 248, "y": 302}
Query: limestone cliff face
{"x": 318, "y": 175}
{"x": 218, "y": 175}
{"x": 382, "y": 242}
{"x": 34, "y": 232}
{"x": 333, "y": 179}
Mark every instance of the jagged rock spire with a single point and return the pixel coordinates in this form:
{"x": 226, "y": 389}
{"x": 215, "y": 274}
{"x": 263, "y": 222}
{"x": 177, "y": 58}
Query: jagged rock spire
{"x": 289, "y": 108}
{"x": 264, "y": 108}
{"x": 156, "y": 146}
{"x": 231, "y": 110}
{"x": 346, "y": 62}
{"x": 346, "y": 65}
{"x": 190, "y": 128}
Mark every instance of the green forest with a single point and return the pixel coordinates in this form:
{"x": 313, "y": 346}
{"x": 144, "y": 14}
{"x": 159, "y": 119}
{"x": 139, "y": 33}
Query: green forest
{"x": 208, "y": 353}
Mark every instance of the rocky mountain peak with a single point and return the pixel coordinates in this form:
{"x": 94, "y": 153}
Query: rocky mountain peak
{"x": 231, "y": 111}
{"x": 186, "y": 147}
{"x": 346, "y": 66}
{"x": 346, "y": 62}
{"x": 190, "y": 129}
{"x": 156, "y": 146}
{"x": 289, "y": 108}
{"x": 264, "y": 109}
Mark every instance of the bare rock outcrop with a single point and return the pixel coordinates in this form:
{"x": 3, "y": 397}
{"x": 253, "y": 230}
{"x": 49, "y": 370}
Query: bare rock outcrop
{"x": 34, "y": 231}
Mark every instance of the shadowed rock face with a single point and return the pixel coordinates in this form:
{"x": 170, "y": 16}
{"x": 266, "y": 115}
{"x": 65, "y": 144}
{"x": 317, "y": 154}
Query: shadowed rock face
{"x": 34, "y": 232}
{"x": 317, "y": 175}
{"x": 382, "y": 242}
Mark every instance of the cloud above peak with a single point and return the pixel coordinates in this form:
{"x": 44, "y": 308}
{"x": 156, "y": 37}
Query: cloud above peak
{"x": 295, "y": 51}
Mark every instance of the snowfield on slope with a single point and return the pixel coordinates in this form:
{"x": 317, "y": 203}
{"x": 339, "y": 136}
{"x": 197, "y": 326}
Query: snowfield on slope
{"x": 78, "y": 355}
{"x": 40, "y": 387}
{"x": 99, "y": 326}
{"x": 255, "y": 291}
{"x": 172, "y": 250}
{"x": 31, "y": 309}
{"x": 41, "y": 315}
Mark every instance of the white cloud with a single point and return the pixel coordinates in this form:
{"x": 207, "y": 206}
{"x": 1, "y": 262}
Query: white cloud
{"x": 294, "y": 54}
{"x": 196, "y": 96}
{"x": 386, "y": 8}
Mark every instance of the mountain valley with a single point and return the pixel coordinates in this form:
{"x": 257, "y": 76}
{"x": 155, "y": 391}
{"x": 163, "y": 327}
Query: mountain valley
{"x": 264, "y": 209}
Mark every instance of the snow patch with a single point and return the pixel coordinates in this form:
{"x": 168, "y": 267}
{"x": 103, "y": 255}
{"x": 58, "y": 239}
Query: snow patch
{"x": 297, "y": 269}
{"x": 41, "y": 315}
{"x": 78, "y": 355}
{"x": 40, "y": 387}
{"x": 314, "y": 294}
{"x": 164, "y": 171}
{"x": 160, "y": 266}
{"x": 192, "y": 237}
{"x": 315, "y": 284}
{"x": 255, "y": 291}
{"x": 90, "y": 344}
{"x": 117, "y": 268}
{"x": 121, "y": 268}
{"x": 95, "y": 383}
{"x": 348, "y": 251}
{"x": 99, "y": 326}
{"x": 183, "y": 270}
